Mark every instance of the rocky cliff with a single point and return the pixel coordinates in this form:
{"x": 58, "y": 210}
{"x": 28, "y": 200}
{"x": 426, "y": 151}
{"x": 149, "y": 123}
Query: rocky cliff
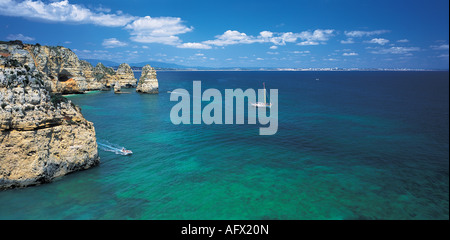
{"x": 148, "y": 83}
{"x": 105, "y": 75}
{"x": 125, "y": 76}
{"x": 42, "y": 135}
{"x": 63, "y": 72}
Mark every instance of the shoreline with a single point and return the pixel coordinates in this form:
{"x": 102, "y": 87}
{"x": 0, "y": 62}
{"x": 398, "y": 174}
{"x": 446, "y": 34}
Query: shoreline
{"x": 285, "y": 70}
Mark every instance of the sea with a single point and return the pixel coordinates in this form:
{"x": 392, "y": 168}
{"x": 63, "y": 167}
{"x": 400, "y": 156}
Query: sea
{"x": 349, "y": 145}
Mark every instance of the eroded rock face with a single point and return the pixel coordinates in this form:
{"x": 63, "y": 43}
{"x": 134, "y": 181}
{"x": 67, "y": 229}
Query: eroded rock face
{"x": 105, "y": 75}
{"x": 89, "y": 73}
{"x": 42, "y": 136}
{"x": 117, "y": 87}
{"x": 61, "y": 68}
{"x": 62, "y": 71}
{"x": 148, "y": 83}
{"x": 125, "y": 76}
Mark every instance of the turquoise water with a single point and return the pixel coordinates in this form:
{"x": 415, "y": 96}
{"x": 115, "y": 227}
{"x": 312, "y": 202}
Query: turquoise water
{"x": 353, "y": 145}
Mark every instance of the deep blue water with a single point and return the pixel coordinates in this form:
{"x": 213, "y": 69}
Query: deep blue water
{"x": 352, "y": 145}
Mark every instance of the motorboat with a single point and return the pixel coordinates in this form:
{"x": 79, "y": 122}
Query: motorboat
{"x": 126, "y": 152}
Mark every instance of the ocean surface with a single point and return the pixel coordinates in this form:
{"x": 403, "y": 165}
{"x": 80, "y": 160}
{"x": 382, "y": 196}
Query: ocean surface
{"x": 350, "y": 145}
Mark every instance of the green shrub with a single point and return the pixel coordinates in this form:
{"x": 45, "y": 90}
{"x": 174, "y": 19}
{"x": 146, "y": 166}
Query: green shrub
{"x": 56, "y": 99}
{"x": 12, "y": 63}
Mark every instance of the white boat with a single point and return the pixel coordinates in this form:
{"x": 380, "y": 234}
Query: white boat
{"x": 126, "y": 152}
{"x": 262, "y": 104}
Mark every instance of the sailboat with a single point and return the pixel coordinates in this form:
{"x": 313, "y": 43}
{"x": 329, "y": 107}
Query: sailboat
{"x": 262, "y": 104}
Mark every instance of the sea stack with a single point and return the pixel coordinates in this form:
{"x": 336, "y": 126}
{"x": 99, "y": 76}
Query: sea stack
{"x": 148, "y": 83}
{"x": 42, "y": 135}
{"x": 125, "y": 76}
{"x": 117, "y": 87}
{"x": 105, "y": 75}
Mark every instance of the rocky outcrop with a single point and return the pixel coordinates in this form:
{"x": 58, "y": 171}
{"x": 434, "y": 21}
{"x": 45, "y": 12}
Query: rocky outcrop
{"x": 105, "y": 75}
{"x": 15, "y": 54}
{"x": 61, "y": 68}
{"x": 62, "y": 71}
{"x": 125, "y": 76}
{"x": 42, "y": 135}
{"x": 117, "y": 87}
{"x": 148, "y": 83}
{"x": 89, "y": 73}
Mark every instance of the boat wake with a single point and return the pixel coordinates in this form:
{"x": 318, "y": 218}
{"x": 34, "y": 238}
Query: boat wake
{"x": 110, "y": 147}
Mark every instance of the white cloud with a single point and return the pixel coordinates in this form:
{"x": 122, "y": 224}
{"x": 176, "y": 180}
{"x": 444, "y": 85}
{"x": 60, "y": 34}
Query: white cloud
{"x": 307, "y": 43}
{"x": 364, "y": 33}
{"x": 20, "y": 37}
{"x": 308, "y": 37}
{"x": 283, "y": 38}
{"x": 317, "y": 35}
{"x": 403, "y": 41}
{"x": 348, "y": 41}
{"x": 113, "y": 43}
{"x": 259, "y": 59}
{"x": 380, "y": 41}
{"x": 194, "y": 46}
{"x": 103, "y": 9}
{"x": 396, "y": 50}
{"x": 273, "y": 53}
{"x": 232, "y": 37}
{"x": 440, "y": 47}
{"x": 142, "y": 29}
{"x": 314, "y": 38}
{"x": 266, "y": 34}
{"x": 301, "y": 52}
{"x": 61, "y": 11}
{"x": 350, "y": 54}
{"x": 157, "y": 30}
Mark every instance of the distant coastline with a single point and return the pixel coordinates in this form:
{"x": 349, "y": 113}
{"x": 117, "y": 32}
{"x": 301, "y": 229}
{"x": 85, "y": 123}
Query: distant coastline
{"x": 297, "y": 70}
{"x": 162, "y": 66}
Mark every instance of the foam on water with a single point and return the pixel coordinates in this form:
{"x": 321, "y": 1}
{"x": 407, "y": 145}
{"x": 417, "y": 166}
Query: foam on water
{"x": 110, "y": 147}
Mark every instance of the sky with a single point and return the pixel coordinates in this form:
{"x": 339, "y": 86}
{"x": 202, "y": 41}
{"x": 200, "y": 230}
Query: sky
{"x": 390, "y": 34}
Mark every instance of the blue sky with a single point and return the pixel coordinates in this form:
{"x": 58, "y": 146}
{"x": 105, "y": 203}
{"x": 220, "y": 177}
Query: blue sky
{"x": 288, "y": 34}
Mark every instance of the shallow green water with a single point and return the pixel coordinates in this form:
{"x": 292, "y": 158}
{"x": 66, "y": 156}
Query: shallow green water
{"x": 357, "y": 145}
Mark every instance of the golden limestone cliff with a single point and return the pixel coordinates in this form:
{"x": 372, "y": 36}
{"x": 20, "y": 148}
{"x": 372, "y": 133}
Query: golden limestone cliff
{"x": 105, "y": 75}
{"x": 42, "y": 135}
{"x": 62, "y": 70}
{"x": 125, "y": 76}
{"x": 148, "y": 83}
